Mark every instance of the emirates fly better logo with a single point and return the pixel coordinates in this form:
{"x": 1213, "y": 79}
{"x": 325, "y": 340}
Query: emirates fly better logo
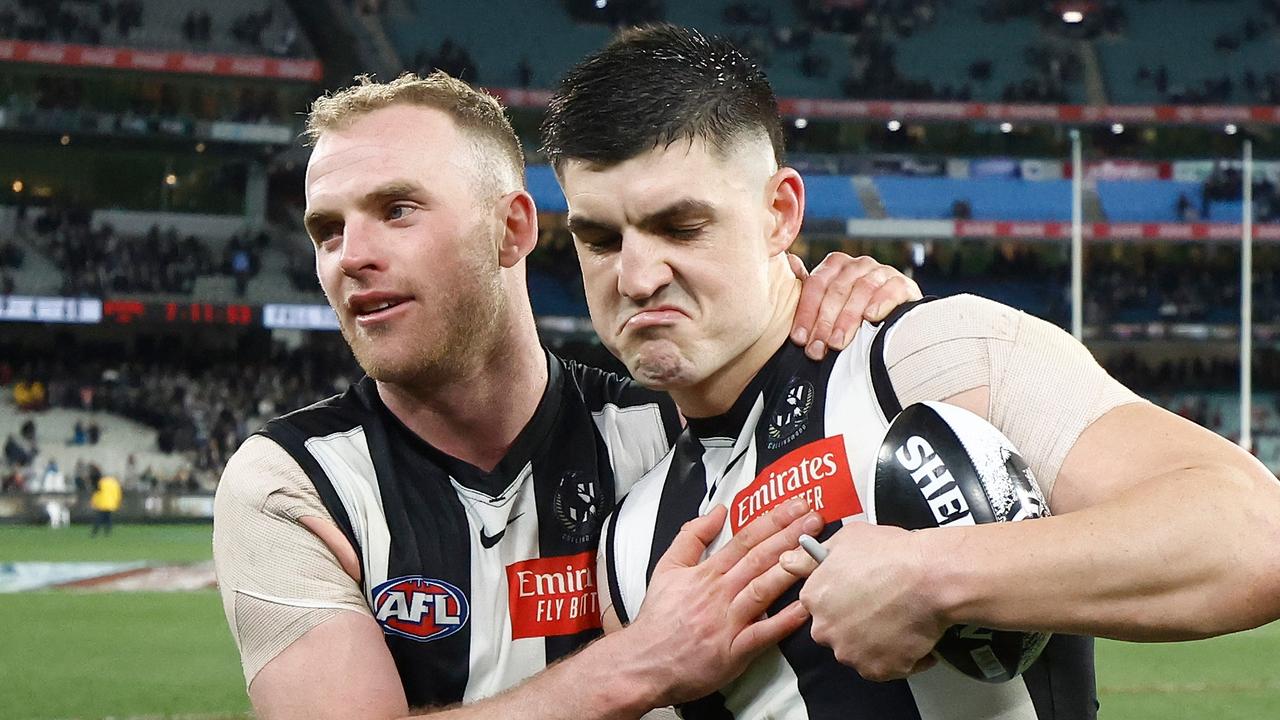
{"x": 553, "y": 596}
{"x": 818, "y": 472}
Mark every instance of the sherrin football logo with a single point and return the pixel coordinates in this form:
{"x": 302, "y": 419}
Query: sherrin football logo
{"x": 420, "y": 608}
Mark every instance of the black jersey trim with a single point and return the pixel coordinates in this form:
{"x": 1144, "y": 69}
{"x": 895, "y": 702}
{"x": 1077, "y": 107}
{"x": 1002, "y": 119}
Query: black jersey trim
{"x": 890, "y": 405}
{"x": 682, "y": 496}
{"x": 611, "y": 566}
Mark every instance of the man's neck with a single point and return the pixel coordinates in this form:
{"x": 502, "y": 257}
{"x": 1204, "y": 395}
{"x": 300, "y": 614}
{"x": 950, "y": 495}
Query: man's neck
{"x": 476, "y": 416}
{"x": 715, "y": 395}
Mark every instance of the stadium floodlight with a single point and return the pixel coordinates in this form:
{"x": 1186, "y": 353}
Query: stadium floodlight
{"x": 894, "y": 126}
{"x": 1117, "y": 128}
{"x": 1231, "y": 129}
{"x": 1072, "y": 17}
{"x": 802, "y": 123}
{"x": 601, "y": 4}
{"x": 1006, "y": 127}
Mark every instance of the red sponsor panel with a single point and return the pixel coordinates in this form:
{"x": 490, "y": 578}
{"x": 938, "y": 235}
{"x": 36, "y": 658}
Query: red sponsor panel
{"x": 819, "y": 472}
{"x": 991, "y": 112}
{"x": 158, "y": 61}
{"x": 553, "y": 596}
{"x": 1116, "y": 231}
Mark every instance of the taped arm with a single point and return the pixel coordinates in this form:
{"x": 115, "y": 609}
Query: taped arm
{"x": 1162, "y": 530}
{"x": 308, "y": 644}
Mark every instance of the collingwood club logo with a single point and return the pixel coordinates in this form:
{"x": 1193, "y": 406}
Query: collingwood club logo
{"x": 790, "y": 414}
{"x": 577, "y": 507}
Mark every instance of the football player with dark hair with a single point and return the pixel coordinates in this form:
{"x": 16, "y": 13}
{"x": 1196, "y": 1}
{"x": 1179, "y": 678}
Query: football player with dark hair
{"x": 682, "y": 216}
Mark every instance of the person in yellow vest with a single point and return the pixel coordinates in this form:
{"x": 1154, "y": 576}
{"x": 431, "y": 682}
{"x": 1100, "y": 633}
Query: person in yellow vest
{"x": 105, "y": 501}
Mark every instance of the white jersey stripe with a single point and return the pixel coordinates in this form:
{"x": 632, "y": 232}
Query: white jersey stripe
{"x": 346, "y": 460}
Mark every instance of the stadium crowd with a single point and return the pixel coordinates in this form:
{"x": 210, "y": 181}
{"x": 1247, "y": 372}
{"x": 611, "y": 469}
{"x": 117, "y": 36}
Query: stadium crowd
{"x": 200, "y": 409}
{"x": 139, "y": 107}
{"x": 118, "y": 22}
{"x": 102, "y": 261}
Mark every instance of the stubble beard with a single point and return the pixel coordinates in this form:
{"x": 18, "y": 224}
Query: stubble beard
{"x": 454, "y": 339}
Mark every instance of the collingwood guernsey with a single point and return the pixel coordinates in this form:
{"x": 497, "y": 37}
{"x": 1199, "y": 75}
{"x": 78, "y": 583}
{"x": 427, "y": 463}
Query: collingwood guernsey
{"x": 812, "y": 429}
{"x": 481, "y": 579}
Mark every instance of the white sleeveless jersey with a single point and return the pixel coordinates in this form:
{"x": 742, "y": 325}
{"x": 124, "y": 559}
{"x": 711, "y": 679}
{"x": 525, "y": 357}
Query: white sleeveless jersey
{"x": 812, "y": 429}
{"x": 480, "y": 579}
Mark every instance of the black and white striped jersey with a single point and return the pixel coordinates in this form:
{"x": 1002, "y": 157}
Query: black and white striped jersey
{"x": 813, "y": 429}
{"x": 480, "y": 579}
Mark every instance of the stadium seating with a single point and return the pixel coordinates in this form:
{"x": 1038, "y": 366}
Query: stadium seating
{"x": 160, "y": 26}
{"x": 989, "y": 198}
{"x": 1179, "y": 35}
{"x": 937, "y": 53}
{"x": 120, "y": 437}
{"x": 1146, "y": 200}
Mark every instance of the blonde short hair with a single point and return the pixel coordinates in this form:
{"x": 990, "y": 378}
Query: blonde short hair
{"x": 474, "y": 111}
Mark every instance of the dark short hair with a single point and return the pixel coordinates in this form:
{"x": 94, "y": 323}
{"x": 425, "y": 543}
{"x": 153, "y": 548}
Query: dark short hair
{"x": 652, "y": 86}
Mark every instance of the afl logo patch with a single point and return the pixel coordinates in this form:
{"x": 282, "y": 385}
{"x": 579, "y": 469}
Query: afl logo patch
{"x": 789, "y": 416}
{"x": 420, "y": 608}
{"x": 577, "y": 507}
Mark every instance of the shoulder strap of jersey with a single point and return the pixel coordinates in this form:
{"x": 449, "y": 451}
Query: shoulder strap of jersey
{"x": 291, "y": 433}
{"x": 600, "y": 388}
{"x": 885, "y": 395}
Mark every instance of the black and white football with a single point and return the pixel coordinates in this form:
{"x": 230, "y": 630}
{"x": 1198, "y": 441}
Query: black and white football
{"x": 943, "y": 466}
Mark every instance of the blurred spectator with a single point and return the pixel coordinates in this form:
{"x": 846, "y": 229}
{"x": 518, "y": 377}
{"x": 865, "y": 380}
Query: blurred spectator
{"x": 29, "y": 395}
{"x": 1184, "y": 210}
{"x": 53, "y": 479}
{"x": 197, "y": 26}
{"x": 524, "y": 73}
{"x": 14, "y": 453}
{"x": 106, "y": 500}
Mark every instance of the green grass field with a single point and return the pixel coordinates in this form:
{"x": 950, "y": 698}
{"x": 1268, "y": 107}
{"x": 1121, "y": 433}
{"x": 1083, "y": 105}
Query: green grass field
{"x": 68, "y": 654}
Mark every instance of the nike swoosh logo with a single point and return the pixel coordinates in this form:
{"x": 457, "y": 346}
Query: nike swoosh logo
{"x": 489, "y": 541}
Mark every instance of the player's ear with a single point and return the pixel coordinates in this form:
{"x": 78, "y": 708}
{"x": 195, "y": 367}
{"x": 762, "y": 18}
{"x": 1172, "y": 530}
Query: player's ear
{"x": 785, "y": 195}
{"x": 520, "y": 227}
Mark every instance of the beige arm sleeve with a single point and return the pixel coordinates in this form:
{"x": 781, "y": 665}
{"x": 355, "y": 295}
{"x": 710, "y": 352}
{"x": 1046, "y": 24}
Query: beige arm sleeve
{"x": 1045, "y": 388}
{"x": 278, "y": 580}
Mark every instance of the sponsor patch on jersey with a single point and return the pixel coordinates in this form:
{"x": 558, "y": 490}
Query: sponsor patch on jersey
{"x": 553, "y": 596}
{"x": 420, "y": 608}
{"x": 818, "y": 472}
{"x": 789, "y": 416}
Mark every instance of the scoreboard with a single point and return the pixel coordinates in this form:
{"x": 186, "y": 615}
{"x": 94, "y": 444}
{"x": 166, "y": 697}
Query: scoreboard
{"x": 130, "y": 312}
{"x": 140, "y": 312}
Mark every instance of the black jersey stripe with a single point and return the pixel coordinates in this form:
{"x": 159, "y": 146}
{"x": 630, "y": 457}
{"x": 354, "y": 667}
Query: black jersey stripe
{"x": 611, "y": 565}
{"x": 880, "y": 381}
{"x": 682, "y": 497}
{"x": 574, "y": 491}
{"x": 1062, "y": 682}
